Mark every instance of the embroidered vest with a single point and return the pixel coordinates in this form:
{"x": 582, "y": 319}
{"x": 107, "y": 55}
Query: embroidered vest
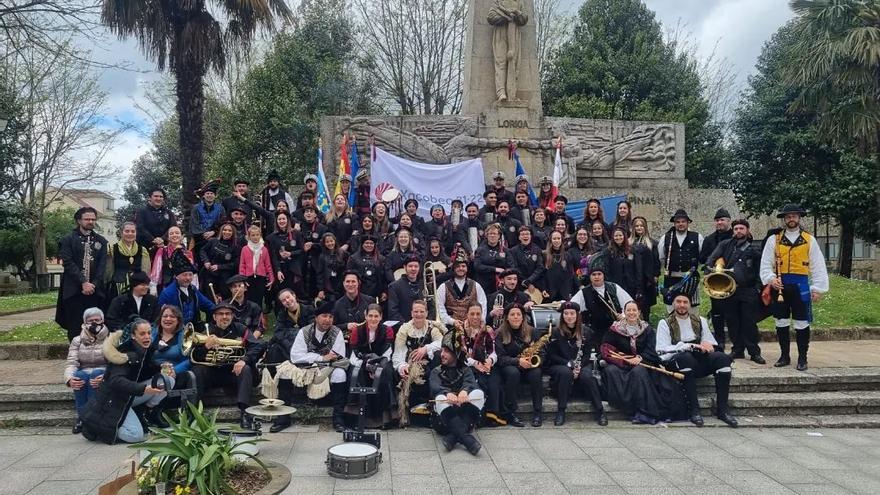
{"x": 457, "y": 307}
{"x": 793, "y": 257}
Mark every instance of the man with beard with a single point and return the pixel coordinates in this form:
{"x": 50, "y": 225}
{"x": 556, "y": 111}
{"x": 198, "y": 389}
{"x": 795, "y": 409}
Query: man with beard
{"x": 510, "y": 293}
{"x": 793, "y": 265}
{"x": 247, "y": 313}
{"x": 83, "y": 254}
{"x": 685, "y": 344}
{"x": 722, "y": 232}
{"x": 153, "y": 221}
{"x": 679, "y": 253}
{"x": 405, "y": 290}
{"x": 509, "y": 225}
{"x": 487, "y": 212}
{"x": 740, "y": 310}
{"x": 456, "y": 294}
{"x": 274, "y": 192}
{"x": 457, "y": 397}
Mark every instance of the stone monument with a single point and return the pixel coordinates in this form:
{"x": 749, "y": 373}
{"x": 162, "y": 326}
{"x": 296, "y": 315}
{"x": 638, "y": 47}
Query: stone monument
{"x": 502, "y": 103}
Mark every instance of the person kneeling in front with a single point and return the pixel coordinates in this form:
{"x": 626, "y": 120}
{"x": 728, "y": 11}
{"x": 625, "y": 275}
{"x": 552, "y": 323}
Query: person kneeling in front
{"x": 133, "y": 387}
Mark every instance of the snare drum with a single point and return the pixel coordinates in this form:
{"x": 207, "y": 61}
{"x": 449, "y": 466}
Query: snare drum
{"x": 542, "y": 317}
{"x": 353, "y": 460}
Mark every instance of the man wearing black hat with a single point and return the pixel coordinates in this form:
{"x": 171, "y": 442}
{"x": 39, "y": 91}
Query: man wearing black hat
{"x": 136, "y": 302}
{"x": 559, "y": 205}
{"x": 322, "y": 341}
{"x": 792, "y": 264}
{"x": 602, "y": 302}
{"x": 350, "y": 309}
{"x": 456, "y": 294}
{"x": 722, "y": 232}
{"x": 246, "y": 313}
{"x": 239, "y": 201}
{"x": 153, "y": 220}
{"x": 274, "y": 192}
{"x": 457, "y": 397}
{"x": 311, "y": 187}
{"x": 685, "y": 344}
{"x": 403, "y": 291}
{"x": 741, "y": 309}
{"x": 679, "y": 252}
{"x": 206, "y": 216}
{"x": 240, "y": 374}
{"x": 83, "y": 253}
{"x": 181, "y": 293}
{"x": 508, "y": 293}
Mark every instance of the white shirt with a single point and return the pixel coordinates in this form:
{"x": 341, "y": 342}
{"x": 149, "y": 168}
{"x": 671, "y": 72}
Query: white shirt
{"x": 622, "y": 296}
{"x": 299, "y": 352}
{"x": 401, "y": 352}
{"x": 137, "y": 301}
{"x": 357, "y": 362}
{"x": 818, "y": 270}
{"x": 666, "y": 348}
{"x": 445, "y": 317}
{"x": 679, "y": 237}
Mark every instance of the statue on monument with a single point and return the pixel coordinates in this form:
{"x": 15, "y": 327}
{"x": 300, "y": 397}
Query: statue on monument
{"x": 507, "y": 16}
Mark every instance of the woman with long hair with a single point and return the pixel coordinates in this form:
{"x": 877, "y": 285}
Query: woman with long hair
{"x": 408, "y": 221}
{"x": 513, "y": 337}
{"x": 490, "y": 259}
{"x": 624, "y": 217}
{"x": 570, "y": 367}
{"x": 558, "y": 278}
{"x": 370, "y": 266}
{"x": 367, "y": 227}
{"x": 402, "y": 250}
{"x": 592, "y": 212}
{"x": 330, "y": 268}
{"x": 621, "y": 265}
{"x": 645, "y": 248}
{"x": 126, "y": 258}
{"x": 541, "y": 227}
{"x": 479, "y": 343}
{"x": 168, "y": 336}
{"x": 219, "y": 261}
{"x": 579, "y": 249}
{"x": 371, "y": 346}
{"x": 286, "y": 250}
{"x": 341, "y": 222}
{"x": 384, "y": 227}
{"x": 161, "y": 274}
{"x": 646, "y": 395}
{"x": 599, "y": 235}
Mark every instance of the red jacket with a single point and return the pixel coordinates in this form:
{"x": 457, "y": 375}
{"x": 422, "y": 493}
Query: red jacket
{"x": 246, "y": 264}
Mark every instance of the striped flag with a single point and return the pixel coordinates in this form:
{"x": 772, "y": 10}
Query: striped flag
{"x": 323, "y": 199}
{"x": 355, "y": 166}
{"x": 520, "y": 170}
{"x": 344, "y": 165}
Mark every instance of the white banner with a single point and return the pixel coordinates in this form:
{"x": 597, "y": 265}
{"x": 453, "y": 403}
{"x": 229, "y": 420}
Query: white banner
{"x": 427, "y": 183}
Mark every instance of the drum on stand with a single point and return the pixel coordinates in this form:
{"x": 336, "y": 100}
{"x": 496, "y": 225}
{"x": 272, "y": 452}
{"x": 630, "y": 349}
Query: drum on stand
{"x": 542, "y": 317}
{"x": 353, "y": 460}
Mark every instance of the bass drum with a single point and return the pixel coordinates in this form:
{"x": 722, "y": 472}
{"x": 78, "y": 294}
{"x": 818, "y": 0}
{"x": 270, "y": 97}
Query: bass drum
{"x": 353, "y": 460}
{"x": 542, "y": 317}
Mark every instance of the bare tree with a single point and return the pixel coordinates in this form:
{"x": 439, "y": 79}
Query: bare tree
{"x": 553, "y": 27}
{"x": 417, "y": 47}
{"x": 65, "y": 138}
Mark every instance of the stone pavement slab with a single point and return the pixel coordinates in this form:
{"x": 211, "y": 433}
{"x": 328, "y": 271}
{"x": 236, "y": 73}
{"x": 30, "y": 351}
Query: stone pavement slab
{"x": 514, "y": 461}
{"x": 8, "y": 322}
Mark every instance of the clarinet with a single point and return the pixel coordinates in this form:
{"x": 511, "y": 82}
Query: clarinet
{"x": 578, "y": 357}
{"x": 87, "y": 259}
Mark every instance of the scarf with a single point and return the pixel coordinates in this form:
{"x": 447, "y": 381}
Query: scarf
{"x": 256, "y": 251}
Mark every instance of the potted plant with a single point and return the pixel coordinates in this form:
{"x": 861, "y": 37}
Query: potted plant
{"x": 194, "y": 456}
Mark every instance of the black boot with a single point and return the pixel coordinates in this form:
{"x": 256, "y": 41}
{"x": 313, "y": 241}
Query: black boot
{"x": 560, "y": 418}
{"x": 513, "y": 420}
{"x": 280, "y": 424}
{"x": 78, "y": 427}
{"x": 722, "y": 390}
{"x": 154, "y": 417}
{"x": 471, "y": 444}
{"x": 784, "y": 347}
{"x": 601, "y": 418}
{"x": 244, "y": 420}
{"x": 803, "y": 344}
{"x": 340, "y": 396}
{"x": 537, "y": 419}
{"x": 448, "y": 441}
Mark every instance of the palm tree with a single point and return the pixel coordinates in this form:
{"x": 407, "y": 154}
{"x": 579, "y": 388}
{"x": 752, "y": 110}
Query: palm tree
{"x": 836, "y": 66}
{"x": 184, "y": 36}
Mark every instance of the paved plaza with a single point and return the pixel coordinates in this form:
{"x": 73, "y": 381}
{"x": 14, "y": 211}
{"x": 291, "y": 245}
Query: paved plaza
{"x": 613, "y": 460}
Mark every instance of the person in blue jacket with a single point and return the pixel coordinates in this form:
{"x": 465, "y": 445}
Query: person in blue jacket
{"x": 182, "y": 294}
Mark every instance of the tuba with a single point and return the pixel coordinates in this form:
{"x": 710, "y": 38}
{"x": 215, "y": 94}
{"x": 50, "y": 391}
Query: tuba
{"x": 719, "y": 284}
{"x": 228, "y": 352}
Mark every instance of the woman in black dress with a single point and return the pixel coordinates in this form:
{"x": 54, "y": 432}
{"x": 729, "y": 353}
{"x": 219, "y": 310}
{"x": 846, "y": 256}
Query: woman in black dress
{"x": 621, "y": 265}
{"x": 341, "y": 222}
{"x": 648, "y": 396}
{"x": 513, "y": 337}
{"x": 599, "y": 235}
{"x": 558, "y": 280}
{"x": 580, "y": 248}
{"x": 330, "y": 268}
{"x": 370, "y": 266}
{"x": 371, "y": 346}
{"x": 645, "y": 248}
{"x": 219, "y": 258}
{"x": 367, "y": 228}
{"x": 286, "y": 250}
{"x": 402, "y": 250}
{"x": 570, "y": 367}
{"x": 490, "y": 259}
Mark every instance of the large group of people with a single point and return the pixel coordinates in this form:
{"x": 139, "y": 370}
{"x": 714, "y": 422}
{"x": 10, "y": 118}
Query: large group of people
{"x": 444, "y": 317}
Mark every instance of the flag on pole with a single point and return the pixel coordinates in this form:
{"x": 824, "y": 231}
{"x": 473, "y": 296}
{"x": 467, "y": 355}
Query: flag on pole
{"x": 520, "y": 170}
{"x": 323, "y": 199}
{"x": 355, "y": 166}
{"x": 558, "y": 172}
{"x": 344, "y": 165}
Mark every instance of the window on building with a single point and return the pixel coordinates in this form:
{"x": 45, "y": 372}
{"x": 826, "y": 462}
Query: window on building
{"x": 108, "y": 204}
{"x": 862, "y": 249}
{"x": 829, "y": 246}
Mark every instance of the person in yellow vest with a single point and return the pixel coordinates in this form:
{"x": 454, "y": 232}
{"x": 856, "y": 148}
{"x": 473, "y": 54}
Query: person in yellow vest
{"x": 793, "y": 265}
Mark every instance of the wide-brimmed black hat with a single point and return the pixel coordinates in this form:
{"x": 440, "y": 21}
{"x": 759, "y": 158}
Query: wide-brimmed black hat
{"x": 680, "y": 213}
{"x": 791, "y": 208}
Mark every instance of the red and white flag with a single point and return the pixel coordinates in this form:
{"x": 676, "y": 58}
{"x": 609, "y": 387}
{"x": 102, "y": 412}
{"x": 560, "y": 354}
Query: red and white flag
{"x": 559, "y": 178}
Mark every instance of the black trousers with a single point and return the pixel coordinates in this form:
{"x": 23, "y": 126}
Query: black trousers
{"x": 458, "y": 421}
{"x": 222, "y": 376}
{"x": 696, "y": 365}
{"x": 256, "y": 291}
{"x": 718, "y": 318}
{"x": 741, "y": 314}
{"x": 511, "y": 377}
{"x": 566, "y": 383}
{"x": 490, "y": 385}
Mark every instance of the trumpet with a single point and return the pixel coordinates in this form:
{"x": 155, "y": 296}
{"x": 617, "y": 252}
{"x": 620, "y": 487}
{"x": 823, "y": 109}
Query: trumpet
{"x": 228, "y": 351}
{"x": 499, "y": 302}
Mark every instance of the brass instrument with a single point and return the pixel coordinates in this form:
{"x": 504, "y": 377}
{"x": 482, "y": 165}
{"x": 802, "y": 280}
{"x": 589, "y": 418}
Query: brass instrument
{"x": 473, "y": 238}
{"x": 499, "y": 302}
{"x": 719, "y": 284}
{"x": 431, "y": 267}
{"x": 532, "y": 352}
{"x": 228, "y": 351}
{"x": 399, "y": 273}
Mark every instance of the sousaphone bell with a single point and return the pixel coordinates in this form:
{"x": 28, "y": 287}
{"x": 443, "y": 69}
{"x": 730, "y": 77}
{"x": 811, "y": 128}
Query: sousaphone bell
{"x": 720, "y": 284}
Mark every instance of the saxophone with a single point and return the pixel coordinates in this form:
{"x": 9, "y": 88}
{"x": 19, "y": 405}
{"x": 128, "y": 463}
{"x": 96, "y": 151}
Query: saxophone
{"x": 532, "y": 352}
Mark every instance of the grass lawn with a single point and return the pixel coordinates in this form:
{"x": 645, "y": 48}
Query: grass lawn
{"x": 27, "y": 301}
{"x": 849, "y": 303}
{"x": 45, "y": 331}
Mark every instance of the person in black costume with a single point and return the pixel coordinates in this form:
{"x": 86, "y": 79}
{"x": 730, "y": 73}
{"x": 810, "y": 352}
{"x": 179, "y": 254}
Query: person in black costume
{"x": 568, "y": 358}
{"x": 479, "y": 347}
{"x": 83, "y": 254}
{"x": 457, "y": 398}
{"x": 137, "y": 301}
{"x": 330, "y": 268}
{"x": 286, "y": 250}
{"x": 512, "y": 338}
{"x": 153, "y": 221}
{"x": 219, "y": 261}
{"x": 371, "y": 346}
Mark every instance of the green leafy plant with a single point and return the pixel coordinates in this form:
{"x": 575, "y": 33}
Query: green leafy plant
{"x": 194, "y": 453}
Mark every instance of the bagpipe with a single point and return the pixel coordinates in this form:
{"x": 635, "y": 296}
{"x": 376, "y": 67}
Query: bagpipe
{"x": 689, "y": 285}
